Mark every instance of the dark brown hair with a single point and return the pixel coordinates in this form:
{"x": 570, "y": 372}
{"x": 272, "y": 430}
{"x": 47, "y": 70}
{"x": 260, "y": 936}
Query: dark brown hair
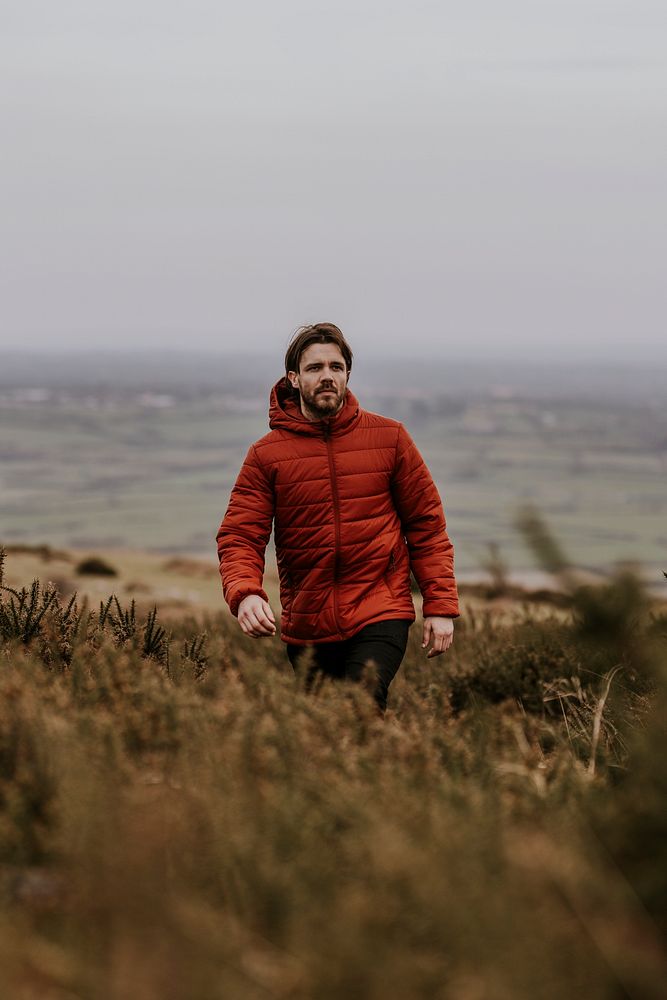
{"x": 316, "y": 333}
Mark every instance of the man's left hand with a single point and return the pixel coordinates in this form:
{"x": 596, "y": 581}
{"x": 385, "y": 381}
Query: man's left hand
{"x": 440, "y": 633}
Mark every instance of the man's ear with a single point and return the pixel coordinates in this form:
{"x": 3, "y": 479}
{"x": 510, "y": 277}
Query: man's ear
{"x": 293, "y": 379}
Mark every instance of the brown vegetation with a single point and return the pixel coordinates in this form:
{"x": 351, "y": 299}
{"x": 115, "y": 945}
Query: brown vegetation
{"x": 179, "y": 818}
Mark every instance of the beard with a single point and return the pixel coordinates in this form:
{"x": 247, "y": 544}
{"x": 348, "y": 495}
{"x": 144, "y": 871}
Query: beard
{"x": 321, "y": 404}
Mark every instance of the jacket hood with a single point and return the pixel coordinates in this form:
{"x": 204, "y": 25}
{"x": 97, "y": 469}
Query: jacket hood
{"x": 285, "y": 413}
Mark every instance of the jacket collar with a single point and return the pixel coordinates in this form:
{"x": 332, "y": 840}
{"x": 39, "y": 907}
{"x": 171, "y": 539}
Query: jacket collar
{"x": 285, "y": 412}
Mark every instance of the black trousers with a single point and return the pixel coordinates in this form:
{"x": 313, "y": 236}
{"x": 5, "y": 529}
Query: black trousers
{"x": 382, "y": 643}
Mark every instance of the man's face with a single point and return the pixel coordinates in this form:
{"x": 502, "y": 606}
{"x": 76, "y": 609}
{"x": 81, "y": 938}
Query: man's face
{"x": 321, "y": 381}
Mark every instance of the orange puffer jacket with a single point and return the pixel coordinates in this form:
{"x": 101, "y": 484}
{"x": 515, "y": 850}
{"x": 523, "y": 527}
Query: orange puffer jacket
{"x": 355, "y": 508}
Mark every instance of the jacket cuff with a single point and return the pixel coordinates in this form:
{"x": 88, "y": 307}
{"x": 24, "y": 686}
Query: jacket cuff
{"x": 440, "y": 609}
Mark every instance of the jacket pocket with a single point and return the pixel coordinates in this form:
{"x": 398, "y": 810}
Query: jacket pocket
{"x": 397, "y": 574}
{"x": 289, "y": 583}
{"x": 389, "y": 572}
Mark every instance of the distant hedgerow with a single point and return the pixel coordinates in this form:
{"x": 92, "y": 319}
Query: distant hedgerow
{"x": 95, "y": 566}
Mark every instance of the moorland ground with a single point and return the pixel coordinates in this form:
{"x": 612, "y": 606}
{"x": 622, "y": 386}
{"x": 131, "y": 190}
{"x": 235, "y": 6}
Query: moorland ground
{"x": 180, "y": 818}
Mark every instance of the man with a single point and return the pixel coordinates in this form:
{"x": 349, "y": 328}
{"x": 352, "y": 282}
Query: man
{"x": 354, "y": 509}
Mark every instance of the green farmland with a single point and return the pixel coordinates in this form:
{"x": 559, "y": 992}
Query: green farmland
{"x": 150, "y": 464}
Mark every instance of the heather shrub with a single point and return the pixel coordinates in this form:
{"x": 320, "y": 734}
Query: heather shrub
{"x": 180, "y": 818}
{"x": 632, "y": 823}
{"x": 95, "y": 566}
{"x": 28, "y": 783}
{"x": 516, "y": 662}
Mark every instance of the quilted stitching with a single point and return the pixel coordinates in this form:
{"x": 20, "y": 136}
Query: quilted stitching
{"x": 389, "y": 520}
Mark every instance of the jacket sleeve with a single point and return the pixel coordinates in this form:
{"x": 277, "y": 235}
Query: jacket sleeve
{"x": 423, "y": 519}
{"x": 245, "y": 532}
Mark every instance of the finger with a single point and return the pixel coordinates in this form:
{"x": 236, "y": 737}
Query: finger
{"x": 441, "y": 644}
{"x": 255, "y": 633}
{"x": 269, "y": 625}
{"x": 438, "y": 645}
{"x": 269, "y": 612}
{"x": 260, "y": 624}
{"x": 267, "y": 620}
{"x": 427, "y": 634}
{"x": 260, "y": 621}
{"x": 250, "y": 626}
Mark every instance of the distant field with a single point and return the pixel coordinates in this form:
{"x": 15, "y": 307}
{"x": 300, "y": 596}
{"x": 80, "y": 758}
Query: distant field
{"x": 103, "y": 468}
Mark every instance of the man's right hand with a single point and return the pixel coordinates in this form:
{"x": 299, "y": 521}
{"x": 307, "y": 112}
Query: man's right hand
{"x": 256, "y": 617}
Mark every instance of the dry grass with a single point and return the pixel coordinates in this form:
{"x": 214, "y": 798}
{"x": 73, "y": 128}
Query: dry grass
{"x": 202, "y": 830}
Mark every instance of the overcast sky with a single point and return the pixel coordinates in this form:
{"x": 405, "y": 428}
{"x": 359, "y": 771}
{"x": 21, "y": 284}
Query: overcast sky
{"x": 482, "y": 178}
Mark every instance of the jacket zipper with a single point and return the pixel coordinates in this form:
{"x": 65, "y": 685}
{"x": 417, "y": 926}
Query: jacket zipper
{"x": 336, "y": 507}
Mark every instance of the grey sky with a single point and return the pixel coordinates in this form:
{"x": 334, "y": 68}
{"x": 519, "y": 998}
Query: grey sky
{"x": 483, "y": 178}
